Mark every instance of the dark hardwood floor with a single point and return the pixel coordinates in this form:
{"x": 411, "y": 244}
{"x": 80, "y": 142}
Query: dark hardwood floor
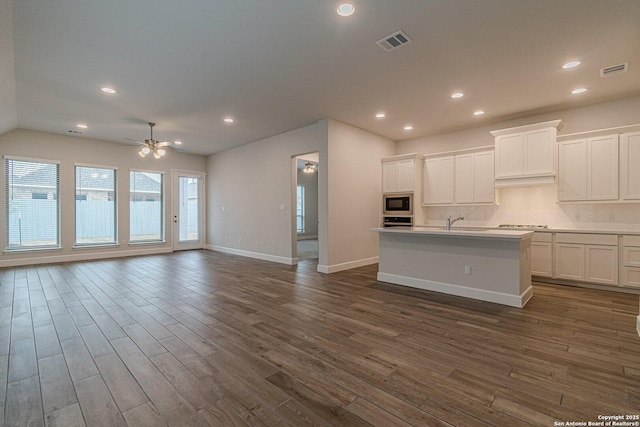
{"x": 204, "y": 338}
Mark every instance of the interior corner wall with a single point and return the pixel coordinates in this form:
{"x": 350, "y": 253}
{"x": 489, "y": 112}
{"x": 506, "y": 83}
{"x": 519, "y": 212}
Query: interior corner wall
{"x": 248, "y": 185}
{"x": 355, "y": 195}
{"x": 8, "y": 108}
{"x": 69, "y": 150}
{"x": 310, "y": 183}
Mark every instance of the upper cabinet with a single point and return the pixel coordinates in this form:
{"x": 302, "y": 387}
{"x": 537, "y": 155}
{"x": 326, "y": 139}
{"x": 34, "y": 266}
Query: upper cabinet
{"x": 589, "y": 169}
{"x": 459, "y": 179}
{"x": 438, "y": 181}
{"x": 526, "y": 155}
{"x": 474, "y": 178}
{"x": 401, "y": 174}
{"x": 629, "y": 166}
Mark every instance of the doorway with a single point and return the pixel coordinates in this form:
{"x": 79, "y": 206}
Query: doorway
{"x": 306, "y": 203}
{"x": 188, "y": 210}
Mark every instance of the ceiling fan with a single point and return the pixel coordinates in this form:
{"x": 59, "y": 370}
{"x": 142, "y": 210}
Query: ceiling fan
{"x": 157, "y": 148}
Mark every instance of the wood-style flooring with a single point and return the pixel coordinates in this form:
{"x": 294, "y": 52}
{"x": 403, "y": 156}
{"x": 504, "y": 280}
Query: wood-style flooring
{"x": 204, "y": 338}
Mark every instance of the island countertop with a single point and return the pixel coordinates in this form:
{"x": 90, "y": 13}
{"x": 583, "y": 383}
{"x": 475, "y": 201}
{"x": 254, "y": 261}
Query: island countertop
{"x": 458, "y": 233}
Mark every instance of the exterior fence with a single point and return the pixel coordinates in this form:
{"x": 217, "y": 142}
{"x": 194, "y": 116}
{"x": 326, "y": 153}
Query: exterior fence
{"x": 34, "y": 222}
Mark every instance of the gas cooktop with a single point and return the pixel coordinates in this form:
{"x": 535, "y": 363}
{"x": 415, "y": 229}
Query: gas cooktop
{"x": 522, "y": 226}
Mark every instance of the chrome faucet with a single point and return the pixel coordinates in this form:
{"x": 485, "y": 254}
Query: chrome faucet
{"x": 451, "y": 221}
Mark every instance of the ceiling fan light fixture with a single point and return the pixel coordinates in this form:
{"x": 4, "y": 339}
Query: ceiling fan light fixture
{"x": 309, "y": 168}
{"x": 156, "y": 155}
{"x": 141, "y": 153}
{"x": 162, "y": 152}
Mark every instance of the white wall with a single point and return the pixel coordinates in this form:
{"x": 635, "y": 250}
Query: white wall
{"x": 355, "y": 195}
{"x": 310, "y": 183}
{"x": 537, "y": 205}
{"x": 620, "y": 112}
{"x": 8, "y": 111}
{"x": 251, "y": 182}
{"x": 70, "y": 150}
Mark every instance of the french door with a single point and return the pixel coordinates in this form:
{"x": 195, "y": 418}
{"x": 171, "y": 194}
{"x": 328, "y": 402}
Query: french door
{"x": 188, "y": 210}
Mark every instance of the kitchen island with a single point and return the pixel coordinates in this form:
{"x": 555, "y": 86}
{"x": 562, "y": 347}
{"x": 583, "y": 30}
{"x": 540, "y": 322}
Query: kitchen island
{"x": 487, "y": 265}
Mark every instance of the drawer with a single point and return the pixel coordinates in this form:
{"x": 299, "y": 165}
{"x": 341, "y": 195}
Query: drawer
{"x": 631, "y": 241}
{"x": 542, "y": 237}
{"x": 631, "y": 256}
{"x": 631, "y": 277}
{"x": 587, "y": 239}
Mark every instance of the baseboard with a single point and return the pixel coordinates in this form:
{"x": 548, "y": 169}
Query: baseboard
{"x": 255, "y": 255}
{"x": 82, "y": 257}
{"x": 307, "y": 237}
{"x": 346, "y": 265}
{"x": 462, "y": 291}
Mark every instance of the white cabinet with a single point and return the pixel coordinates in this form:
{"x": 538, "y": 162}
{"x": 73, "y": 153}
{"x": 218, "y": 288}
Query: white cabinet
{"x": 542, "y": 254}
{"x": 572, "y": 180}
{"x": 474, "y": 178}
{"x": 630, "y": 261}
{"x": 461, "y": 179}
{"x": 401, "y": 174}
{"x": 630, "y": 166}
{"x": 438, "y": 180}
{"x": 589, "y": 169}
{"x": 587, "y": 257}
{"x": 569, "y": 261}
{"x": 526, "y": 155}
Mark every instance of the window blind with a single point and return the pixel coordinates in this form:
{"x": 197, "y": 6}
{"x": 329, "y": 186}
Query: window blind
{"x": 146, "y": 206}
{"x": 96, "y": 215}
{"x": 33, "y": 204}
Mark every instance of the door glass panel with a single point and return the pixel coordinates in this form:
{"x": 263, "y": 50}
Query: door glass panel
{"x": 188, "y": 216}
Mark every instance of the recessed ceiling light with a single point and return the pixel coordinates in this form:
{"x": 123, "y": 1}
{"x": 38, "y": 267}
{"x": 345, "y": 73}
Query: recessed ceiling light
{"x": 571, "y": 64}
{"x": 108, "y": 90}
{"x": 81, "y": 126}
{"x": 381, "y": 116}
{"x": 228, "y": 120}
{"x": 579, "y": 90}
{"x": 457, "y": 95}
{"x": 408, "y": 127}
{"x": 346, "y": 9}
{"x": 177, "y": 142}
{"x": 478, "y": 113}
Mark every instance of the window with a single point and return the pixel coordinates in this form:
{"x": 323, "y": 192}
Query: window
{"x": 33, "y": 208}
{"x": 146, "y": 206}
{"x": 300, "y": 209}
{"x": 95, "y": 206}
{"x": 188, "y": 200}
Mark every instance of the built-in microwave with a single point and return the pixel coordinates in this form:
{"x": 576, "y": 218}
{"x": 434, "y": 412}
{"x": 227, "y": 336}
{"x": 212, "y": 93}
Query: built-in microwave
{"x": 397, "y": 204}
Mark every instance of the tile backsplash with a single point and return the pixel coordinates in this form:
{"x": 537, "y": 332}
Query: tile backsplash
{"x": 539, "y": 206}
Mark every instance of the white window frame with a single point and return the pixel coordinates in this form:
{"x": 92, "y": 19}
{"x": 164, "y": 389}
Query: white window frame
{"x": 21, "y": 248}
{"x": 163, "y": 211}
{"x": 116, "y": 198}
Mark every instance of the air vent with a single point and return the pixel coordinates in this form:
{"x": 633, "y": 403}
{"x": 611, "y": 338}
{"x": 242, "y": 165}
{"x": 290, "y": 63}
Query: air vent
{"x": 394, "y": 41}
{"x": 74, "y": 132}
{"x": 614, "y": 69}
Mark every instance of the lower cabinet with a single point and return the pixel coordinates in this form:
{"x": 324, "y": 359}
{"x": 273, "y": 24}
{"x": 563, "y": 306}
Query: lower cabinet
{"x": 630, "y": 262}
{"x": 542, "y": 254}
{"x": 587, "y": 257}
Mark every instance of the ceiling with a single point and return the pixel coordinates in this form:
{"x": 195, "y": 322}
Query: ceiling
{"x": 277, "y": 65}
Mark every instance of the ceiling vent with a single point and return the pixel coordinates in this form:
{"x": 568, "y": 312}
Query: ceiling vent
{"x": 614, "y": 69}
{"x": 393, "y": 41}
{"x": 74, "y": 132}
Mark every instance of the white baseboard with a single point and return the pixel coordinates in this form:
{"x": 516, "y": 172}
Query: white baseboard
{"x": 307, "y": 237}
{"x": 82, "y": 256}
{"x": 462, "y": 291}
{"x": 256, "y": 255}
{"x": 346, "y": 265}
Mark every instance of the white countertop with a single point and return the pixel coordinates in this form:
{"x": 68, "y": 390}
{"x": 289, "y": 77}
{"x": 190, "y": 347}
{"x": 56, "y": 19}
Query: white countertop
{"x": 488, "y": 233}
{"x": 541, "y": 230}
